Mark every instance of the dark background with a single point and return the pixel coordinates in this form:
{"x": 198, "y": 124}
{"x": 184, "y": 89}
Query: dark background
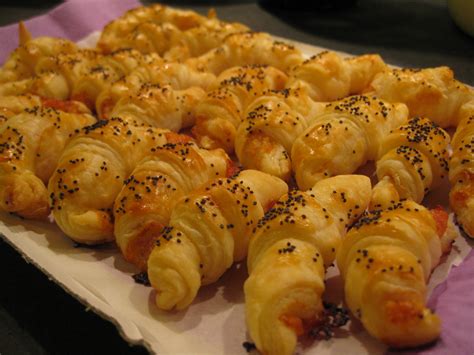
{"x": 38, "y": 317}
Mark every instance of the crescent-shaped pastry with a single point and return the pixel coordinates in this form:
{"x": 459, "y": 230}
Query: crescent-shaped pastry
{"x": 343, "y": 137}
{"x": 248, "y": 48}
{"x": 430, "y": 92}
{"x": 178, "y": 76}
{"x": 209, "y": 229}
{"x": 292, "y": 247}
{"x": 329, "y": 77}
{"x": 461, "y": 170}
{"x": 270, "y": 126}
{"x": 219, "y": 115}
{"x": 30, "y": 145}
{"x": 95, "y": 163}
{"x": 386, "y": 259}
{"x": 412, "y": 160}
{"x": 159, "y": 180}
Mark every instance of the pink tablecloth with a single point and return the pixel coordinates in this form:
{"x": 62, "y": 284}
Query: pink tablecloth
{"x": 453, "y": 300}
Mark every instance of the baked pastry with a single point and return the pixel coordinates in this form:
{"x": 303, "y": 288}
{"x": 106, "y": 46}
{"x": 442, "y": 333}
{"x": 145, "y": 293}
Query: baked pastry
{"x": 430, "y": 92}
{"x": 271, "y": 124}
{"x": 144, "y": 204}
{"x": 31, "y": 52}
{"x": 461, "y": 170}
{"x": 30, "y": 145}
{"x": 94, "y": 164}
{"x": 13, "y": 105}
{"x": 412, "y": 159}
{"x": 221, "y": 112}
{"x": 178, "y": 76}
{"x": 125, "y": 26}
{"x": 329, "y": 77}
{"x": 343, "y": 137}
{"x": 173, "y": 34}
{"x": 79, "y": 76}
{"x": 209, "y": 229}
{"x": 248, "y": 48}
{"x": 288, "y": 254}
{"x": 159, "y": 106}
{"x": 386, "y": 259}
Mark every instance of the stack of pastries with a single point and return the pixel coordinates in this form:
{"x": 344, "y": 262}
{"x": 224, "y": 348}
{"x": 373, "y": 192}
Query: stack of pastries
{"x": 194, "y": 143}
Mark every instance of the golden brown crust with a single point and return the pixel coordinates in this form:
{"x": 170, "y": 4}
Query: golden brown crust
{"x": 95, "y": 163}
{"x": 386, "y": 260}
{"x": 149, "y": 195}
{"x": 288, "y": 253}
{"x": 343, "y": 137}
{"x": 175, "y": 34}
{"x": 219, "y": 115}
{"x": 248, "y": 48}
{"x": 412, "y": 160}
{"x": 329, "y": 77}
{"x": 461, "y": 173}
{"x": 430, "y": 92}
{"x": 209, "y": 229}
{"x": 30, "y": 145}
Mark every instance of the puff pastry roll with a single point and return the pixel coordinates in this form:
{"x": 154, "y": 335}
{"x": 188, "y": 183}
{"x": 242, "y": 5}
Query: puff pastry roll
{"x": 177, "y": 44}
{"x": 80, "y": 76}
{"x": 288, "y": 254}
{"x": 178, "y": 76}
{"x": 246, "y": 48}
{"x": 127, "y": 27}
{"x": 31, "y": 52}
{"x": 30, "y": 145}
{"x": 412, "y": 159}
{"x": 90, "y": 175}
{"x": 461, "y": 170}
{"x": 220, "y": 113}
{"x": 160, "y": 107}
{"x": 13, "y": 105}
{"x": 386, "y": 260}
{"x": 271, "y": 124}
{"x": 328, "y": 77}
{"x": 343, "y": 137}
{"x": 199, "y": 40}
{"x": 144, "y": 204}
{"x": 209, "y": 229}
{"x": 430, "y": 92}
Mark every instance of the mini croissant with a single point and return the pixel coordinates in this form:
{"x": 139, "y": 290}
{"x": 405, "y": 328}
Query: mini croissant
{"x": 220, "y": 113}
{"x": 30, "y": 145}
{"x": 270, "y": 126}
{"x": 430, "y": 92}
{"x": 248, "y": 48}
{"x": 329, "y": 77}
{"x": 144, "y": 204}
{"x": 32, "y": 53}
{"x": 156, "y": 73}
{"x": 95, "y": 163}
{"x": 343, "y": 137}
{"x": 159, "y": 106}
{"x": 209, "y": 229}
{"x": 172, "y": 33}
{"x": 413, "y": 159}
{"x": 386, "y": 259}
{"x": 292, "y": 246}
{"x": 80, "y": 76}
{"x": 461, "y": 170}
